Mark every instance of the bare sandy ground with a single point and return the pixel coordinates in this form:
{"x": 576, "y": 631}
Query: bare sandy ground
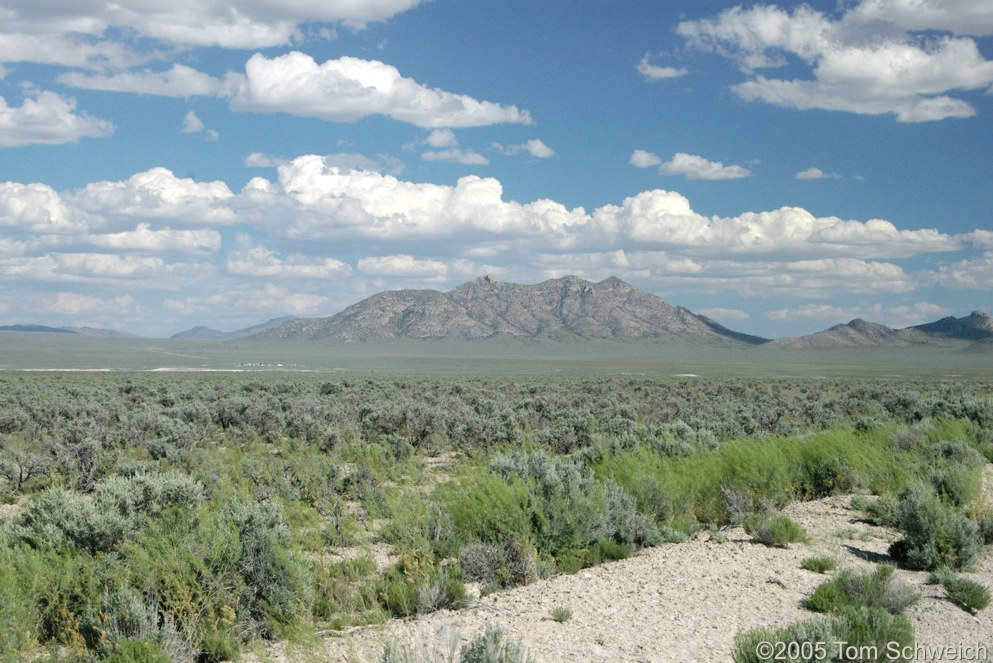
{"x": 678, "y": 602}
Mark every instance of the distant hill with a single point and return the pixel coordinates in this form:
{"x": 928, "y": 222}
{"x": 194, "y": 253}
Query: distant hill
{"x": 36, "y": 328}
{"x": 983, "y": 346}
{"x": 85, "y": 331}
{"x": 862, "y": 334}
{"x": 96, "y": 331}
{"x": 202, "y": 333}
{"x": 567, "y": 309}
{"x": 974, "y": 327}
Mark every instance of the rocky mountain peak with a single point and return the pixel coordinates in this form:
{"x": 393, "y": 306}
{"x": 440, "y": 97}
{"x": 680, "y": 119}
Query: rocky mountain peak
{"x": 565, "y": 309}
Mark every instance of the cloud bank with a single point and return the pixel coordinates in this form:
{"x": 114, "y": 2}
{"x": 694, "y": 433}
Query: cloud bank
{"x": 317, "y": 223}
{"x": 872, "y": 60}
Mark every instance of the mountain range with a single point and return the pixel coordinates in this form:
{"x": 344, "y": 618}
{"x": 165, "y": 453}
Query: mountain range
{"x": 570, "y": 309}
{"x": 567, "y": 309}
{"x": 564, "y": 310}
{"x": 976, "y": 327}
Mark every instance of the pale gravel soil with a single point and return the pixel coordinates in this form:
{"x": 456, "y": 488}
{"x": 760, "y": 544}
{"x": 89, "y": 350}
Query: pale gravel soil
{"x": 677, "y": 602}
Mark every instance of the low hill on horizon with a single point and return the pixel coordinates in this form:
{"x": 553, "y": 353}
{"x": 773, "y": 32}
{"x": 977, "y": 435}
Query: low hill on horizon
{"x": 204, "y": 333}
{"x": 45, "y": 329}
{"x": 976, "y": 327}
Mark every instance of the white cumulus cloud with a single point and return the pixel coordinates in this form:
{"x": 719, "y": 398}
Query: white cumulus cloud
{"x": 695, "y": 167}
{"x": 964, "y": 17}
{"x": 223, "y": 23}
{"x": 868, "y": 62}
{"x": 192, "y": 124}
{"x": 157, "y": 193}
{"x": 258, "y": 261}
{"x": 74, "y": 303}
{"x": 535, "y": 148}
{"x": 349, "y": 88}
{"x": 402, "y": 265}
{"x": 36, "y": 208}
{"x": 144, "y": 238}
{"x": 967, "y": 274}
{"x": 456, "y": 155}
{"x": 47, "y": 118}
{"x": 644, "y": 159}
{"x": 177, "y": 81}
{"x": 654, "y": 72}
{"x": 814, "y": 173}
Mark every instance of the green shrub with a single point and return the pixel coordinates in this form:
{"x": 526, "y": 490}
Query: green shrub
{"x": 717, "y": 486}
{"x": 561, "y": 614}
{"x": 860, "y": 630}
{"x": 822, "y": 475}
{"x": 774, "y": 529}
{"x": 965, "y": 593}
{"x": 874, "y": 630}
{"x": 398, "y": 594}
{"x": 883, "y": 511}
{"x": 984, "y": 522}
{"x": 669, "y": 534}
{"x": 809, "y": 641}
{"x": 956, "y": 485}
{"x": 569, "y": 561}
{"x": 271, "y": 574}
{"x": 492, "y": 646}
{"x": 609, "y": 551}
{"x": 343, "y": 589}
{"x": 137, "y": 651}
{"x": 569, "y": 508}
{"x": 55, "y": 518}
{"x": 934, "y": 534}
{"x": 415, "y": 585}
{"x": 217, "y": 646}
{"x": 872, "y": 589}
{"x": 819, "y": 564}
{"x": 119, "y": 509}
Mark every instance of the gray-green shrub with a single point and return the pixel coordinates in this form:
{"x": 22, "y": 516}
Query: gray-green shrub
{"x": 119, "y": 508}
{"x": 935, "y": 534}
{"x": 493, "y": 646}
{"x": 878, "y": 588}
{"x": 272, "y": 575}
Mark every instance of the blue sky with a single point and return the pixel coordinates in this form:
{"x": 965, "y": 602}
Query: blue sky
{"x": 780, "y": 168}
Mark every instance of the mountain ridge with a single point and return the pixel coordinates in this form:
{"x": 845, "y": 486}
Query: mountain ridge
{"x": 205, "y": 333}
{"x": 566, "y": 309}
{"x": 976, "y": 327}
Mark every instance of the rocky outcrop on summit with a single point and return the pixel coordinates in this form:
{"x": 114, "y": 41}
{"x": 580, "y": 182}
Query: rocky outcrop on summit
{"x": 565, "y": 309}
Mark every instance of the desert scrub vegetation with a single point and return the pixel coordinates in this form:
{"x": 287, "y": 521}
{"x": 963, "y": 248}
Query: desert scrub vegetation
{"x": 187, "y": 516}
{"x": 864, "y": 611}
{"x": 491, "y": 646}
{"x": 967, "y": 594}
{"x": 819, "y": 564}
{"x": 877, "y": 589}
{"x": 774, "y": 529}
